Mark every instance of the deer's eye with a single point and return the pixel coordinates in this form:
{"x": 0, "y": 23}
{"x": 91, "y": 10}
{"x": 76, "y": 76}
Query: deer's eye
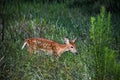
{"x": 71, "y": 46}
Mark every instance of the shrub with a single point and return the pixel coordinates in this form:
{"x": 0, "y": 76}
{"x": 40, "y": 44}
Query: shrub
{"x": 102, "y": 55}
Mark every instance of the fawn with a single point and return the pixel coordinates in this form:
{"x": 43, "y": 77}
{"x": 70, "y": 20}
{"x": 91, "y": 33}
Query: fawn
{"x": 52, "y": 47}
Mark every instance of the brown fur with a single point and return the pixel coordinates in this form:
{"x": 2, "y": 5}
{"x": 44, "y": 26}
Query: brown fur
{"x": 52, "y": 47}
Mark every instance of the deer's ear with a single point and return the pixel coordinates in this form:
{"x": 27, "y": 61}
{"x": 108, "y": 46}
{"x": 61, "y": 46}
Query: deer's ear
{"x": 66, "y": 40}
{"x": 74, "y": 40}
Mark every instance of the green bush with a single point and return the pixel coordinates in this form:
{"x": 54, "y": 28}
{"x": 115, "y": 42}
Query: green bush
{"x": 103, "y": 56}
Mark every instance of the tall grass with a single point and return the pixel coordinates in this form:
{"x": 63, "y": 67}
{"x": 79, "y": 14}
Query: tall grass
{"x": 29, "y": 20}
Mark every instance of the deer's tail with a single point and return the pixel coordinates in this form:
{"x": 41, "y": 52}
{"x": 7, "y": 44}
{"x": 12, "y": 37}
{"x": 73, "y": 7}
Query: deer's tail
{"x": 24, "y": 44}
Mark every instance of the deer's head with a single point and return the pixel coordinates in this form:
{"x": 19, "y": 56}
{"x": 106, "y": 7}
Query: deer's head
{"x": 71, "y": 45}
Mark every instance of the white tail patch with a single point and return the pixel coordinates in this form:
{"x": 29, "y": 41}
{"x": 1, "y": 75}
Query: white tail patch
{"x": 24, "y": 45}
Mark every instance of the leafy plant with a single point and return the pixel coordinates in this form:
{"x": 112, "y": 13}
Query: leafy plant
{"x": 103, "y": 56}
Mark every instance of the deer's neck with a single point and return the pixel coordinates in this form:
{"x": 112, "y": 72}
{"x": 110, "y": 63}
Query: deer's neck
{"x": 62, "y": 48}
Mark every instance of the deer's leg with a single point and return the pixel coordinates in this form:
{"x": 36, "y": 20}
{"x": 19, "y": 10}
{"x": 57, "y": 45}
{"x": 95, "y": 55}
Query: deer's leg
{"x": 34, "y": 49}
{"x": 30, "y": 50}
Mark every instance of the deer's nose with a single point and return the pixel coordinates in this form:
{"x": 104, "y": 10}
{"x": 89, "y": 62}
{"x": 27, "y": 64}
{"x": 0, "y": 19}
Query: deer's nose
{"x": 76, "y": 53}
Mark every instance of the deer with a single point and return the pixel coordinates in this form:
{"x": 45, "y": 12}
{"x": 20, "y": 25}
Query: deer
{"x": 52, "y": 47}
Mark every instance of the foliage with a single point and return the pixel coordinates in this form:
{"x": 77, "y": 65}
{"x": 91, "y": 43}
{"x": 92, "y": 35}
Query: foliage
{"x": 38, "y": 20}
{"x": 24, "y": 19}
{"x": 104, "y": 62}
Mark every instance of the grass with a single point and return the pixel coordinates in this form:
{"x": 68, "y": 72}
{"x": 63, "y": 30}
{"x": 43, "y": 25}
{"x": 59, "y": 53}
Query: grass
{"x": 52, "y": 21}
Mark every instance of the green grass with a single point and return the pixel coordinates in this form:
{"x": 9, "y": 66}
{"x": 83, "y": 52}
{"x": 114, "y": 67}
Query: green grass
{"x": 52, "y": 21}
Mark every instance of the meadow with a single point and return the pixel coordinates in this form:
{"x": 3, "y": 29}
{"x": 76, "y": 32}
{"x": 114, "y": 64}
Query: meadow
{"x": 98, "y": 42}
